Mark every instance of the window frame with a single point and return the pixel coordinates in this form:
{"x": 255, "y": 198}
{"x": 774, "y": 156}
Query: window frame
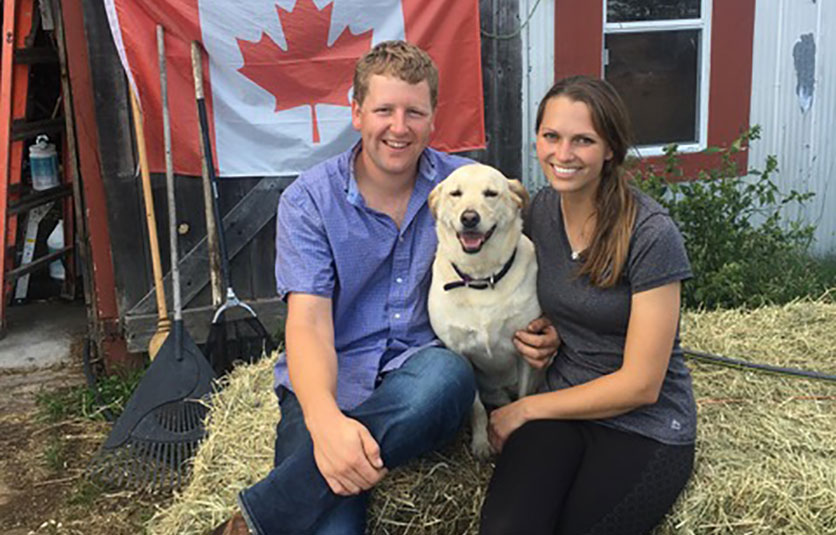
{"x": 703, "y": 68}
{"x": 578, "y": 46}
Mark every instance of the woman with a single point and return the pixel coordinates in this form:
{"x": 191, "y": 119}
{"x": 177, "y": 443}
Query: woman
{"x": 609, "y": 444}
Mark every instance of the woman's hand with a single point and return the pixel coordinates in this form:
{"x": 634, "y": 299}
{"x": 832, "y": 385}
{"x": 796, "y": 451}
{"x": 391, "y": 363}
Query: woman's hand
{"x": 538, "y": 343}
{"x": 504, "y": 421}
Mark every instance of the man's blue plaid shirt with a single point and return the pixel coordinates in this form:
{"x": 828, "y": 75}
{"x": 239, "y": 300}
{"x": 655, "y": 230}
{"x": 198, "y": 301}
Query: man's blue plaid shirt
{"x": 329, "y": 243}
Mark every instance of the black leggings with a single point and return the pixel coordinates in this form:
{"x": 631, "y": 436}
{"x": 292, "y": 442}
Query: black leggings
{"x": 561, "y": 477}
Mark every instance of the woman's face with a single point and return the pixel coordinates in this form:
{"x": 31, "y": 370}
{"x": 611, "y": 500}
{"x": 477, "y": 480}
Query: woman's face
{"x": 569, "y": 149}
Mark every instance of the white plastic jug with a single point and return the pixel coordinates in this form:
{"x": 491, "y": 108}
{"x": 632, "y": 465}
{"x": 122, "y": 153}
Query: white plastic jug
{"x": 54, "y": 243}
{"x": 43, "y": 161}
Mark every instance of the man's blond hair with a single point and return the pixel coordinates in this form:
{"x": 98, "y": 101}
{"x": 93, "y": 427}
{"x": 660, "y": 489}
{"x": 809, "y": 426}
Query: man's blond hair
{"x": 399, "y": 59}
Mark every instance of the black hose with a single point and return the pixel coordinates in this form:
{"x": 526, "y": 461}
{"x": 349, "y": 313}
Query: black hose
{"x": 743, "y": 364}
{"x": 92, "y": 383}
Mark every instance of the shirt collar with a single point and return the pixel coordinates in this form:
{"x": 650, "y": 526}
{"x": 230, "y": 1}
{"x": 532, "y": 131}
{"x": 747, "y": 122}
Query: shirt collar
{"x": 352, "y": 192}
{"x": 426, "y": 166}
{"x": 426, "y": 171}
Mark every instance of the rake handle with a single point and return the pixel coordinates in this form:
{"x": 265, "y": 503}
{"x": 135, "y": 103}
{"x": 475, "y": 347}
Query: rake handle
{"x": 197, "y": 71}
{"x": 169, "y": 177}
{"x": 150, "y": 217}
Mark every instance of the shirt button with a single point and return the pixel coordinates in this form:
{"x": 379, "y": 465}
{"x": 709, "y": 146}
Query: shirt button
{"x": 399, "y": 280}
{"x": 400, "y": 239}
{"x": 397, "y": 316}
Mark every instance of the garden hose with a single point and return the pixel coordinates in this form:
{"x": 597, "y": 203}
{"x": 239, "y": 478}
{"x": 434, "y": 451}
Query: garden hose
{"x": 766, "y": 368}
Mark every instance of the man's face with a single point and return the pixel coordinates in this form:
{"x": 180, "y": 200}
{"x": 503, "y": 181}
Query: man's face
{"x": 395, "y": 122}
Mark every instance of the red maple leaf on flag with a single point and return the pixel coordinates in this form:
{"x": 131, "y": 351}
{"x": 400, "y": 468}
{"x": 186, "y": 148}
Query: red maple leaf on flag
{"x": 309, "y": 72}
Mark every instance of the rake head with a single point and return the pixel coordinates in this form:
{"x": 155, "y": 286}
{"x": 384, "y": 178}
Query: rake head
{"x": 157, "y": 455}
{"x": 237, "y": 340}
{"x": 152, "y": 442}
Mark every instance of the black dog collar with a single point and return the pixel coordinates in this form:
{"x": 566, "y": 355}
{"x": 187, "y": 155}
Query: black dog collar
{"x": 480, "y": 284}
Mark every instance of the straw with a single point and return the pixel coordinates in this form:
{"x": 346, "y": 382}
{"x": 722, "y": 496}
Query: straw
{"x": 766, "y": 445}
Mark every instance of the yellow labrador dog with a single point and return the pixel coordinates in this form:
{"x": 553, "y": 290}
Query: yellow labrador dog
{"x": 484, "y": 284}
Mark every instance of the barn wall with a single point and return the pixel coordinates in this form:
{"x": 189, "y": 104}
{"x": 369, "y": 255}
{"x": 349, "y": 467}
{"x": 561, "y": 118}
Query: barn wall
{"x": 794, "y": 101}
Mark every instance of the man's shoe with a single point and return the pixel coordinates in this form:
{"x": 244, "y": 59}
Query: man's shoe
{"x": 234, "y": 526}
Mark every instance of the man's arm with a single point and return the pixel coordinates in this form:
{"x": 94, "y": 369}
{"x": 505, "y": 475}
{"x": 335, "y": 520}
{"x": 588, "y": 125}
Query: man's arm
{"x": 345, "y": 452}
{"x": 538, "y": 343}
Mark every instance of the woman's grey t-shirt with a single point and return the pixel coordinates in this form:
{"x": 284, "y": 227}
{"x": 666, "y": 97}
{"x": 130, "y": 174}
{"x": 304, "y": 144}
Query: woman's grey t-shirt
{"x": 592, "y": 322}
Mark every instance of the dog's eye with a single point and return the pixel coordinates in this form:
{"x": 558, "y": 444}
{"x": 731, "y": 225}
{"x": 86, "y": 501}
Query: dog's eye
{"x": 490, "y": 193}
{"x": 456, "y": 193}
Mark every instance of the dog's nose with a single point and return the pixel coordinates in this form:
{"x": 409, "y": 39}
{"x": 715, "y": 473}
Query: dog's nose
{"x": 470, "y": 218}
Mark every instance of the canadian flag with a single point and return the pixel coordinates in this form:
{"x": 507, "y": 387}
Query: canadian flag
{"x": 278, "y": 74}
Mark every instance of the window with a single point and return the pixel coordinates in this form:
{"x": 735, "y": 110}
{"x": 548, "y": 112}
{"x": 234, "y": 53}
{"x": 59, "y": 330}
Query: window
{"x": 684, "y": 67}
{"x": 656, "y": 55}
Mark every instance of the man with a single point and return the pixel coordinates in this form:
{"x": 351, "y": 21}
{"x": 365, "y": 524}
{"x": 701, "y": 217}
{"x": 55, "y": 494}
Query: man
{"x": 365, "y": 386}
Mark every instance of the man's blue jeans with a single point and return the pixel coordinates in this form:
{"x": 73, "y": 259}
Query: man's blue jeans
{"x": 414, "y": 410}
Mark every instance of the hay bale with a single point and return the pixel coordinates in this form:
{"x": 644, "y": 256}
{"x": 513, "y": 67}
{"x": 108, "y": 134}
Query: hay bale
{"x": 766, "y": 445}
{"x": 237, "y": 453}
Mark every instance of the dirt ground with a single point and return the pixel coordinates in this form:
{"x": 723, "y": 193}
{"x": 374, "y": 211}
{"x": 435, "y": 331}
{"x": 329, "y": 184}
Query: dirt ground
{"x": 42, "y": 484}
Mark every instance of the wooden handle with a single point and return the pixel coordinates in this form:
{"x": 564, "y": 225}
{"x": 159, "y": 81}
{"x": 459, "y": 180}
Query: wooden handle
{"x": 150, "y": 218}
{"x": 197, "y": 69}
{"x": 169, "y": 178}
{"x": 211, "y": 225}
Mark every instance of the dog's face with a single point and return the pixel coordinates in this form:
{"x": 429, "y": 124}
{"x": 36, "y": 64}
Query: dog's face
{"x": 475, "y": 205}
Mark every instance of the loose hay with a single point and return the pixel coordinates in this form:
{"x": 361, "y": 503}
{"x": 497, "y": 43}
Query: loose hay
{"x": 766, "y": 446}
{"x": 237, "y": 453}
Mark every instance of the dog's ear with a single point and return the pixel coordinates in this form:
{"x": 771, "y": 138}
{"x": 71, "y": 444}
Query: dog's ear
{"x": 434, "y": 198}
{"x": 519, "y": 193}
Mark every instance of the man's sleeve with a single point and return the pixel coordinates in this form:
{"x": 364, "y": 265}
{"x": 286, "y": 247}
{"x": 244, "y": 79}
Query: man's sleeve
{"x": 304, "y": 261}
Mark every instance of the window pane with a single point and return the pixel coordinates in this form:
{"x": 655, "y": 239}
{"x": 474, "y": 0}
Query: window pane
{"x": 636, "y": 10}
{"x": 656, "y": 74}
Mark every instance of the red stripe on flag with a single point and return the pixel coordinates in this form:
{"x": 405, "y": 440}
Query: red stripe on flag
{"x": 449, "y": 32}
{"x": 138, "y": 21}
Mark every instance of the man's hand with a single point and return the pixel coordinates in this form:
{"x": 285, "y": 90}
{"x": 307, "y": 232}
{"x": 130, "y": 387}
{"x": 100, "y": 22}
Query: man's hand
{"x": 538, "y": 343}
{"x": 344, "y": 451}
{"x": 347, "y": 455}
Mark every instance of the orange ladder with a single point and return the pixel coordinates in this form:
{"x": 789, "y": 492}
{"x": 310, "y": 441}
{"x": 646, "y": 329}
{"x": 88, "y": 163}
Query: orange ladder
{"x": 20, "y": 22}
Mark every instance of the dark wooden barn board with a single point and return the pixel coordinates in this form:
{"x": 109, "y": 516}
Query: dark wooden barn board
{"x": 502, "y": 84}
{"x": 125, "y": 213}
{"x": 140, "y": 327}
{"x": 241, "y": 224}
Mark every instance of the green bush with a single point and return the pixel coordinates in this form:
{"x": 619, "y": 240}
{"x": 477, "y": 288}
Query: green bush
{"x": 744, "y": 251}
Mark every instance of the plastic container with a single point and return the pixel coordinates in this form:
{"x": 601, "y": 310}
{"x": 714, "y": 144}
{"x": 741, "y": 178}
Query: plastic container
{"x": 55, "y": 242}
{"x": 43, "y": 161}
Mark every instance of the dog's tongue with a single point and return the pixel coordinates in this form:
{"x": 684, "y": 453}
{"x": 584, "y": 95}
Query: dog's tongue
{"x": 471, "y": 240}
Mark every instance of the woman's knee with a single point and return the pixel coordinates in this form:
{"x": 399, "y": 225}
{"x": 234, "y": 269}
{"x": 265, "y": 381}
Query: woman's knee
{"x": 508, "y": 518}
{"x": 532, "y": 476}
{"x": 498, "y": 523}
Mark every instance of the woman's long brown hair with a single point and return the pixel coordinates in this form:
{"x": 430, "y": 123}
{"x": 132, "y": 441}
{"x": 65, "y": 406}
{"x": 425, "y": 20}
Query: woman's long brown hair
{"x": 615, "y": 204}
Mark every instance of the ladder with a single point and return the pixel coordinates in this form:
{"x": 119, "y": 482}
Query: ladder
{"x": 21, "y": 21}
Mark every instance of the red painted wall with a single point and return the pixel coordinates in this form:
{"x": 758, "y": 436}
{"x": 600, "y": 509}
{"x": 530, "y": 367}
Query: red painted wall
{"x": 579, "y": 45}
{"x": 111, "y": 343}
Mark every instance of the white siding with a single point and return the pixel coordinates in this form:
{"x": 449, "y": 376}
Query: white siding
{"x": 801, "y": 133}
{"x": 538, "y": 77}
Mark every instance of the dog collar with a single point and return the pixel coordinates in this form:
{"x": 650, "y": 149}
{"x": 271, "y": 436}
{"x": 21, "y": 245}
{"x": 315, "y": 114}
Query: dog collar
{"x": 480, "y": 284}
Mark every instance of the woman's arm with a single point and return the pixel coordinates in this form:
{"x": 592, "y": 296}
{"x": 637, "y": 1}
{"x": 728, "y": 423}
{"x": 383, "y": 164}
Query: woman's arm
{"x": 654, "y": 316}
